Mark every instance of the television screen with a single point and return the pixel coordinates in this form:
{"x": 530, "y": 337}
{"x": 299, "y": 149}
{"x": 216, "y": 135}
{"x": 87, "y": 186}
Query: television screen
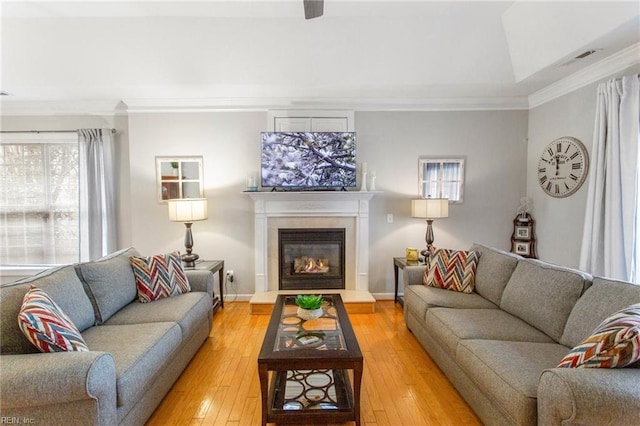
{"x": 309, "y": 159}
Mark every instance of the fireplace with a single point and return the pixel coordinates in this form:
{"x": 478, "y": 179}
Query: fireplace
{"x": 311, "y": 258}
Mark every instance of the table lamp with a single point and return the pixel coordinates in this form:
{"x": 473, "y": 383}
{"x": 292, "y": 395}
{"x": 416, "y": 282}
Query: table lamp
{"x": 188, "y": 210}
{"x": 429, "y": 209}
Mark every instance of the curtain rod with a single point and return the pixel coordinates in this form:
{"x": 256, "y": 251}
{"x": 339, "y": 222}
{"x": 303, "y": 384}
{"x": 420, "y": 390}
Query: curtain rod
{"x": 44, "y": 131}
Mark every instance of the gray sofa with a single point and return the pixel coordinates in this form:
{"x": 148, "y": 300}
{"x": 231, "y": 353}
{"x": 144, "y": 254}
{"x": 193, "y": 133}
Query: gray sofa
{"x": 500, "y": 345}
{"x": 137, "y": 350}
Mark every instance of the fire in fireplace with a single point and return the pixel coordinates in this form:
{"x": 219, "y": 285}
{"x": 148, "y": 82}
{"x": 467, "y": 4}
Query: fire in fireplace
{"x": 311, "y": 258}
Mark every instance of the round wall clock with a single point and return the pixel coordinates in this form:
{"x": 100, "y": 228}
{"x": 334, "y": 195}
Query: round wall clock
{"x": 563, "y": 167}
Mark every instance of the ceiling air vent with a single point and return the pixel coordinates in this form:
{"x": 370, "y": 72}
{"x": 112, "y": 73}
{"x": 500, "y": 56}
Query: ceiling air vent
{"x": 583, "y": 55}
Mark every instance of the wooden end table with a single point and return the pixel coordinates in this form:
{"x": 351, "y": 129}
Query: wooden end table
{"x": 402, "y": 263}
{"x": 213, "y": 266}
{"x": 309, "y": 361}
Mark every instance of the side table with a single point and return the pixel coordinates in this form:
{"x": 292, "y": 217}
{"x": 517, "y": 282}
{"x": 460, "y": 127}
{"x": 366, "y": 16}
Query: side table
{"x": 402, "y": 263}
{"x": 213, "y": 266}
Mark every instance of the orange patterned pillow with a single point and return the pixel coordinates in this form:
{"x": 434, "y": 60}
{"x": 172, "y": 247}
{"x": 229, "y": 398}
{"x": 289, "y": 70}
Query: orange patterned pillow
{"x": 46, "y": 326}
{"x": 614, "y": 343}
{"x": 159, "y": 276}
{"x": 452, "y": 270}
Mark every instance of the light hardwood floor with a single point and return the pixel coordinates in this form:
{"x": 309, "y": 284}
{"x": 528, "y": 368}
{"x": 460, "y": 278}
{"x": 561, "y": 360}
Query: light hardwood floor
{"x": 401, "y": 385}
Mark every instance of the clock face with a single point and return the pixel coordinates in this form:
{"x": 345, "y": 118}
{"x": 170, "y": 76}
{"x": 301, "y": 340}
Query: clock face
{"x": 563, "y": 166}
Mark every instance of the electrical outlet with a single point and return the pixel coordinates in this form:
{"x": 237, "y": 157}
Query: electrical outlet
{"x": 230, "y": 275}
{"x": 390, "y": 218}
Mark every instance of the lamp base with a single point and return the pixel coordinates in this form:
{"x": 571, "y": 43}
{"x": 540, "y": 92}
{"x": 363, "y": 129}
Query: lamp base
{"x": 189, "y": 260}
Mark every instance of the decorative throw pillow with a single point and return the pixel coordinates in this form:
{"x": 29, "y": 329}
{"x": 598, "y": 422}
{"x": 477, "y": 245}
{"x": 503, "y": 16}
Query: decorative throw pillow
{"x": 46, "y": 326}
{"x": 452, "y": 270}
{"x": 159, "y": 276}
{"x": 614, "y": 343}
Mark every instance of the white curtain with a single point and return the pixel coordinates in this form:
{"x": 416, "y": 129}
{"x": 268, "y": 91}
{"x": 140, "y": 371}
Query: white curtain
{"x": 609, "y": 238}
{"x": 98, "y": 235}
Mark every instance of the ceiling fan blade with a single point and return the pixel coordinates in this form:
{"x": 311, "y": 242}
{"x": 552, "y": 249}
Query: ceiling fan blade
{"x": 313, "y": 8}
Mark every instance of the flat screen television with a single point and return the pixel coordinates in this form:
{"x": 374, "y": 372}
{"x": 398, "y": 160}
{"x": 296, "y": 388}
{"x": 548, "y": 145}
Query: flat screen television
{"x": 302, "y": 160}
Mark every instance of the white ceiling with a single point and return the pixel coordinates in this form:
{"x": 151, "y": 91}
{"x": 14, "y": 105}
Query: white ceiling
{"x": 262, "y": 54}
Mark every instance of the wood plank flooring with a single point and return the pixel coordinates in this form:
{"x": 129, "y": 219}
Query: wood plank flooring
{"x": 401, "y": 385}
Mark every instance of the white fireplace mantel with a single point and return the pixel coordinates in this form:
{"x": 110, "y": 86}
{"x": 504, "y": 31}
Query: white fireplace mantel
{"x": 353, "y": 204}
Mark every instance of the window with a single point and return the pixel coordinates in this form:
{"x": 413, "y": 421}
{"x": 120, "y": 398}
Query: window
{"x": 441, "y": 178}
{"x": 39, "y": 199}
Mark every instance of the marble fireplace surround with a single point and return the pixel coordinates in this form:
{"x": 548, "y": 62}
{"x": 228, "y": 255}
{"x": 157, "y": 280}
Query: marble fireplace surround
{"x": 311, "y": 209}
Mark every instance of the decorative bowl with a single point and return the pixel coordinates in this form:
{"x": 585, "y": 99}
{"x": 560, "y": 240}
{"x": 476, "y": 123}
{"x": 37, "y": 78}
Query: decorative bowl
{"x": 309, "y": 314}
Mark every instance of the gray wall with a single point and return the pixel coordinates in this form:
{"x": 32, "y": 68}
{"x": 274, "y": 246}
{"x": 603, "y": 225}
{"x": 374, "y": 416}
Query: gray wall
{"x": 493, "y": 144}
{"x": 559, "y": 221}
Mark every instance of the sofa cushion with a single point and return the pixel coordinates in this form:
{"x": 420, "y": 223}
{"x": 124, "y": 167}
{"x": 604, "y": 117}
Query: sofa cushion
{"x": 109, "y": 282}
{"x": 543, "y": 294}
{"x": 452, "y": 270}
{"x": 63, "y": 287}
{"x": 602, "y": 299}
{"x": 185, "y": 309}
{"x": 614, "y": 343}
{"x": 493, "y": 272}
{"x": 46, "y": 325}
{"x": 423, "y": 298}
{"x": 450, "y": 326}
{"x": 509, "y": 372}
{"x": 159, "y": 276}
{"x": 140, "y": 352}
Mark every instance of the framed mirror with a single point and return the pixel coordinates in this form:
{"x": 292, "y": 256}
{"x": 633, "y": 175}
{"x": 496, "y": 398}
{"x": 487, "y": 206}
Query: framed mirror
{"x": 179, "y": 177}
{"x": 441, "y": 178}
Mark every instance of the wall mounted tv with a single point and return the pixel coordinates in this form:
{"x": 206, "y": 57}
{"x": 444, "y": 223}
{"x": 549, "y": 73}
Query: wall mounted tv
{"x": 308, "y": 160}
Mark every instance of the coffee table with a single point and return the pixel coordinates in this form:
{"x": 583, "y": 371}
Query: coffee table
{"x": 310, "y": 363}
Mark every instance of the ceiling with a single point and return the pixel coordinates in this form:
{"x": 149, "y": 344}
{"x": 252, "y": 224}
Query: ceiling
{"x": 103, "y": 56}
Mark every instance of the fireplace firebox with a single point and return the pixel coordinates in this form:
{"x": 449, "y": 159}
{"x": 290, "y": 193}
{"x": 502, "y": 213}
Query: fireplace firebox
{"x": 311, "y": 258}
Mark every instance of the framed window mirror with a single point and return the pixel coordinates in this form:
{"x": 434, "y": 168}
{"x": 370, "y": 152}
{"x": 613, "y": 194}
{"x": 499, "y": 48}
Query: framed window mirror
{"x": 441, "y": 178}
{"x": 179, "y": 177}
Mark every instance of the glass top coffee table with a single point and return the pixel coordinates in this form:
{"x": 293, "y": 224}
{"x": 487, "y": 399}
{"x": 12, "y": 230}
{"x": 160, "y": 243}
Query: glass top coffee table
{"x": 310, "y": 361}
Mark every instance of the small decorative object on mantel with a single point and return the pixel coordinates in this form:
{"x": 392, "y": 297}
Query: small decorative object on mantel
{"x": 363, "y": 181}
{"x": 523, "y": 240}
{"x": 372, "y": 186}
{"x": 309, "y": 306}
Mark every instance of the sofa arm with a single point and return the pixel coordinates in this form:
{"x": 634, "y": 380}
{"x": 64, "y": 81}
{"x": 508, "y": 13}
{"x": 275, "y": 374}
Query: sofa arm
{"x": 200, "y": 280}
{"x": 589, "y": 396}
{"x": 412, "y": 275}
{"x": 49, "y": 388}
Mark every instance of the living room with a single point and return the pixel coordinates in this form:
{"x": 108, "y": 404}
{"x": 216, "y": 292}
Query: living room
{"x": 497, "y": 106}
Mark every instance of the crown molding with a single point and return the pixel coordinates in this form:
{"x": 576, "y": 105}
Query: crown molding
{"x": 591, "y": 74}
{"x": 135, "y": 106}
{"x": 9, "y": 107}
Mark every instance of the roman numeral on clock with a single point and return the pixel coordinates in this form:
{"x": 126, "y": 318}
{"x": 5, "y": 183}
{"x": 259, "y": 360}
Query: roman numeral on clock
{"x": 548, "y": 186}
{"x": 543, "y": 179}
{"x": 574, "y": 177}
{"x": 576, "y": 166}
{"x": 557, "y": 189}
{"x": 550, "y": 151}
{"x": 574, "y": 155}
{"x": 559, "y": 147}
{"x": 542, "y": 169}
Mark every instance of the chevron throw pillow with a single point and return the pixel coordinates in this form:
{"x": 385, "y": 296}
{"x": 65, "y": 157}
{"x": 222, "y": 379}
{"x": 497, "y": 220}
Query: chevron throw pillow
{"x": 159, "y": 276}
{"x": 46, "y": 326}
{"x": 614, "y": 343}
{"x": 452, "y": 270}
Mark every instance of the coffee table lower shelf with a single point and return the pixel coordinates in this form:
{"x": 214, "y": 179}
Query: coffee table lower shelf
{"x": 310, "y": 396}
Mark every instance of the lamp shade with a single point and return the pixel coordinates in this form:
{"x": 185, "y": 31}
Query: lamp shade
{"x": 187, "y": 209}
{"x": 430, "y": 208}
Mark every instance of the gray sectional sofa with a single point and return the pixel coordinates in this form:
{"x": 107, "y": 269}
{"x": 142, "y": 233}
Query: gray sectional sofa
{"x": 500, "y": 345}
{"x": 137, "y": 350}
